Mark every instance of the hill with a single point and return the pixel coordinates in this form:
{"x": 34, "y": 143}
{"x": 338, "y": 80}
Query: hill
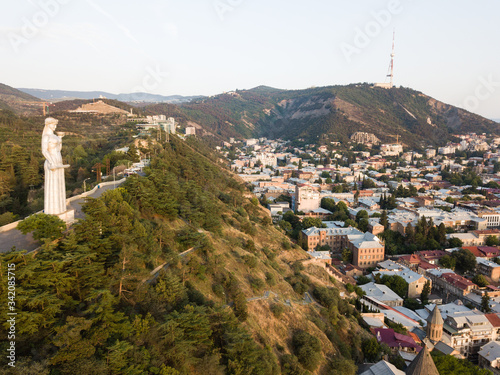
{"x": 333, "y": 113}
{"x": 228, "y": 297}
{"x": 57, "y": 95}
{"x": 13, "y": 99}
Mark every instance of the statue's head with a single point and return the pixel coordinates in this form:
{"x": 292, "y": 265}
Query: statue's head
{"x": 51, "y": 122}
{"x": 50, "y": 125}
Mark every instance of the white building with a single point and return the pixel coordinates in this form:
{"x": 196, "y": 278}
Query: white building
{"x": 393, "y": 149}
{"x": 306, "y": 198}
{"x": 382, "y": 294}
{"x": 446, "y": 150}
{"x": 267, "y": 158}
{"x": 169, "y": 125}
{"x": 190, "y": 130}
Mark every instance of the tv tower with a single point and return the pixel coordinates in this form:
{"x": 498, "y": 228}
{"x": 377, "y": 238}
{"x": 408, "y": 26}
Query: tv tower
{"x": 391, "y": 67}
{"x": 390, "y": 71}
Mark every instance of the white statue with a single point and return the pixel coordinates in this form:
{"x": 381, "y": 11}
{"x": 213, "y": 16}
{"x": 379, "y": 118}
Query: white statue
{"x": 55, "y": 189}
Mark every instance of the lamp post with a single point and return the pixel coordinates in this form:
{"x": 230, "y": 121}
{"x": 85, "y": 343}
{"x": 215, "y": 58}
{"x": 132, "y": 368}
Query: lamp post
{"x": 85, "y": 185}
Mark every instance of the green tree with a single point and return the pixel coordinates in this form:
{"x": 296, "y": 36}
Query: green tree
{"x": 449, "y": 365}
{"x": 465, "y": 260}
{"x": 485, "y": 303}
{"x": 362, "y": 214}
{"x": 492, "y": 241}
{"x": 307, "y": 348}
{"x": 455, "y": 242}
{"x": 371, "y": 349}
{"x": 384, "y": 220}
{"x": 309, "y": 222}
{"x": 44, "y": 227}
{"x": 448, "y": 261}
{"x": 426, "y": 291}
{"x": 480, "y": 280}
{"x": 347, "y": 255}
{"x": 396, "y": 283}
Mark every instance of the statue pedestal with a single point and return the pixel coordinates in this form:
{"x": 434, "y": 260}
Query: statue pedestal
{"x": 67, "y": 216}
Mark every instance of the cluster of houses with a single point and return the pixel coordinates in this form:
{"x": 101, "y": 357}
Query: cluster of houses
{"x": 453, "y": 322}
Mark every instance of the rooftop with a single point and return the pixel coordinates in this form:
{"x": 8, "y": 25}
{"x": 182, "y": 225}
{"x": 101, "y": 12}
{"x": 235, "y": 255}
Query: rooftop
{"x": 382, "y": 368}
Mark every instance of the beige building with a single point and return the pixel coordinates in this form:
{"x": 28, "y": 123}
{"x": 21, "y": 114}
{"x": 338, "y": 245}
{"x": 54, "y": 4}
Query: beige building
{"x": 367, "y": 250}
{"x": 335, "y": 238}
{"x": 416, "y": 282}
{"x": 306, "y": 198}
{"x": 488, "y": 268}
{"x": 468, "y": 332}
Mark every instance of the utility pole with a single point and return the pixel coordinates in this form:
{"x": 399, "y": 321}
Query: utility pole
{"x": 85, "y": 185}
{"x": 97, "y": 169}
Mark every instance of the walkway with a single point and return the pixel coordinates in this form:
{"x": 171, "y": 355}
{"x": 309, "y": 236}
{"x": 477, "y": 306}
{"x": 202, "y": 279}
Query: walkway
{"x": 77, "y": 204}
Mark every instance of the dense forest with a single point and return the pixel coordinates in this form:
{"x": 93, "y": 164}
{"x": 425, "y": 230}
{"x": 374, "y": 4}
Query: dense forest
{"x": 89, "y": 301}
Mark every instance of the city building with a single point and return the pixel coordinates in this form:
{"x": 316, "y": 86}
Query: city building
{"x": 367, "y": 250}
{"x": 335, "y": 238}
{"x": 489, "y": 357}
{"x": 382, "y": 294}
{"x": 306, "y": 198}
{"x": 416, "y": 282}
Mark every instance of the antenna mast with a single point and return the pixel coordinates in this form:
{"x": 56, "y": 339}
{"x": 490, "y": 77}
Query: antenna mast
{"x": 392, "y": 60}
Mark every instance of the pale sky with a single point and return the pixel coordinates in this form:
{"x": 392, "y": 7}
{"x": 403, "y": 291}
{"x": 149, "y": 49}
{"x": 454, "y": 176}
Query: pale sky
{"x": 448, "y": 49}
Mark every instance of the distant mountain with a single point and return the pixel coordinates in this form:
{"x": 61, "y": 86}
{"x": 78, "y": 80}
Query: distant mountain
{"x": 334, "y": 113}
{"x": 13, "y": 99}
{"x": 57, "y": 95}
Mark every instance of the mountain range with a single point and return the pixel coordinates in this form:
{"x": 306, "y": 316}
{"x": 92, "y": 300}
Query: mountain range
{"x": 57, "y": 95}
{"x": 315, "y": 115}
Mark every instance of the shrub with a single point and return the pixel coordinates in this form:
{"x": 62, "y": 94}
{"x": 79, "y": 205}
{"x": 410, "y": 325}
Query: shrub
{"x": 277, "y": 309}
{"x": 270, "y": 279}
{"x": 307, "y": 348}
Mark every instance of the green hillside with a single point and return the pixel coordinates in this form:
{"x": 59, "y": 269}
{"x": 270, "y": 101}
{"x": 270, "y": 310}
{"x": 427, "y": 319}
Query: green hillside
{"x": 333, "y": 113}
{"x": 234, "y": 304}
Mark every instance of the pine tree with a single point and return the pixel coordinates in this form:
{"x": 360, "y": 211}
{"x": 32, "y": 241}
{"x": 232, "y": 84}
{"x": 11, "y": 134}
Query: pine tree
{"x": 485, "y": 303}
{"x": 426, "y": 291}
{"x": 384, "y": 220}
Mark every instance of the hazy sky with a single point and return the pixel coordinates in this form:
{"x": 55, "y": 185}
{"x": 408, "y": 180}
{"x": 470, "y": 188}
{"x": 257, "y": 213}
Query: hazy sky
{"x": 449, "y": 49}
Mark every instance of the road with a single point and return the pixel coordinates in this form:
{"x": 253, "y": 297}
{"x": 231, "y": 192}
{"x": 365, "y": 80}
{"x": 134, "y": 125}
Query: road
{"x": 77, "y": 204}
{"x": 15, "y": 238}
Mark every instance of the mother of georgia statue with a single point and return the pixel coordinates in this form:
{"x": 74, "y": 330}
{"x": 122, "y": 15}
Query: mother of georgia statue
{"x": 55, "y": 189}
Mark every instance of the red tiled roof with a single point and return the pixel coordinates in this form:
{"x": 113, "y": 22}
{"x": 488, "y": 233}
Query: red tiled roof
{"x": 489, "y": 251}
{"x": 494, "y": 319}
{"x": 427, "y": 266}
{"x": 457, "y": 280}
{"x": 487, "y": 231}
{"x": 415, "y": 337}
{"x": 474, "y": 250}
{"x": 431, "y": 254}
{"x": 411, "y": 259}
